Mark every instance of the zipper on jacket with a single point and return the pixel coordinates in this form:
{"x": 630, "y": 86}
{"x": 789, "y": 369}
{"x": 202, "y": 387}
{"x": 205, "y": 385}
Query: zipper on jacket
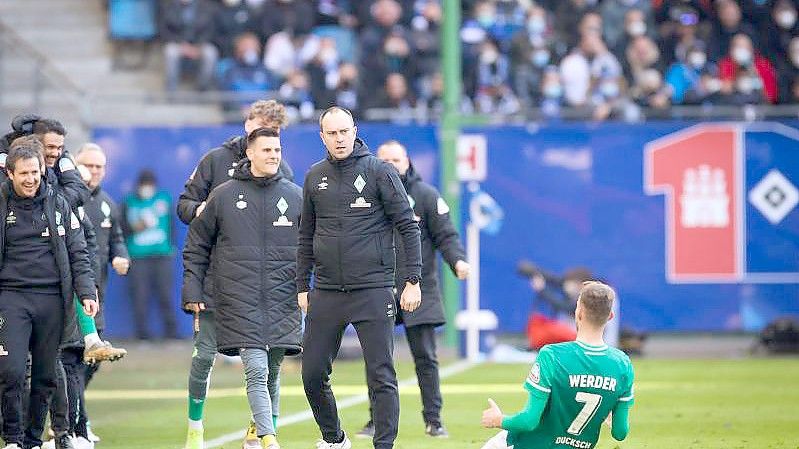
{"x": 340, "y": 211}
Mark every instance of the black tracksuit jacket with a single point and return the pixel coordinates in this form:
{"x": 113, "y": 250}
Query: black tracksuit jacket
{"x": 350, "y": 209}
{"x": 438, "y": 233}
{"x": 250, "y": 225}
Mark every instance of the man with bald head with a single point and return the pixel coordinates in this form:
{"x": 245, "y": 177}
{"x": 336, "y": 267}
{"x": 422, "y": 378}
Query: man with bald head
{"x": 431, "y": 212}
{"x": 353, "y": 203}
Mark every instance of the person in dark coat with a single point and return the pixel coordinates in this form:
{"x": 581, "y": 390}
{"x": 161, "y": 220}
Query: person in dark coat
{"x": 438, "y": 234}
{"x": 250, "y": 224}
{"x": 215, "y": 168}
{"x": 352, "y": 204}
{"x": 43, "y": 263}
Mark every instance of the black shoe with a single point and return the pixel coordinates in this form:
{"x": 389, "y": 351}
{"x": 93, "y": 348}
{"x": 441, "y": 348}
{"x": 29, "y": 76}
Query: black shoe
{"x": 436, "y": 430}
{"x": 63, "y": 441}
{"x": 368, "y": 431}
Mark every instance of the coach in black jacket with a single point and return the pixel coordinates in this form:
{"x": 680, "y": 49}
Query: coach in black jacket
{"x": 250, "y": 224}
{"x": 438, "y": 233}
{"x": 42, "y": 264}
{"x": 352, "y": 203}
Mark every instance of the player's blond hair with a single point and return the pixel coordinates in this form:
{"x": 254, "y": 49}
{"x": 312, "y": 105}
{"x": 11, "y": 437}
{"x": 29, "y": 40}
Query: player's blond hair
{"x": 269, "y": 113}
{"x": 596, "y": 299}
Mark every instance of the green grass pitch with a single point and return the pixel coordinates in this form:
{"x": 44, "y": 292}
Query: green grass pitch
{"x": 139, "y": 403}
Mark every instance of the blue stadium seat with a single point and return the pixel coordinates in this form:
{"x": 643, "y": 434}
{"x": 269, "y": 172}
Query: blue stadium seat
{"x": 132, "y": 19}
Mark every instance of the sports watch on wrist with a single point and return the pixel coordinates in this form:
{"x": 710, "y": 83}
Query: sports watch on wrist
{"x": 413, "y": 280}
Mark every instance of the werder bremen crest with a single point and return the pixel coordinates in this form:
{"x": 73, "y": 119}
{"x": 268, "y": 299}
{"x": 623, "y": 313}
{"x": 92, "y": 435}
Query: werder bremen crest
{"x": 105, "y": 208}
{"x": 360, "y": 201}
{"x": 282, "y": 206}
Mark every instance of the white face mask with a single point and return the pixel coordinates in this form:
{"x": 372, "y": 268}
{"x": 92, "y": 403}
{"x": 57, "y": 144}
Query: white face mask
{"x": 697, "y": 60}
{"x": 795, "y": 58}
{"x": 553, "y": 91}
{"x": 786, "y": 19}
{"x": 146, "y": 191}
{"x": 250, "y": 57}
{"x": 536, "y": 25}
{"x": 232, "y": 3}
{"x": 742, "y": 55}
{"x": 255, "y": 3}
{"x": 610, "y": 89}
{"x": 540, "y": 57}
{"x": 636, "y": 28}
{"x": 489, "y": 57}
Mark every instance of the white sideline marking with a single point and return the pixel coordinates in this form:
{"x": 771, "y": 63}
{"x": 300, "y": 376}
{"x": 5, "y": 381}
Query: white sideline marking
{"x": 447, "y": 371}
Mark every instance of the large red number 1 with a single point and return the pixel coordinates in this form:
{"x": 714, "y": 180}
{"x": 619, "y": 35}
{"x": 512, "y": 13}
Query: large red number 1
{"x": 699, "y": 171}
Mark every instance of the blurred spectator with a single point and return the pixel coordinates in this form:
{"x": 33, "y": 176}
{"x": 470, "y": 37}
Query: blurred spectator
{"x": 148, "y": 230}
{"x": 245, "y": 74}
{"x": 530, "y": 55}
{"x": 591, "y": 23}
{"x": 551, "y": 93}
{"x": 395, "y": 95}
{"x": 783, "y": 31}
{"x": 494, "y": 93}
{"x": 335, "y": 12}
{"x": 685, "y": 35}
{"x": 590, "y": 70}
{"x": 613, "y": 18}
{"x": 634, "y": 26}
{"x": 568, "y": 16}
{"x": 426, "y": 37}
{"x": 650, "y": 92}
{"x": 187, "y": 29}
{"x": 284, "y": 53}
{"x": 323, "y": 71}
{"x": 729, "y": 24}
{"x": 746, "y": 76}
{"x": 295, "y": 17}
{"x": 693, "y": 80}
{"x": 642, "y": 54}
{"x": 347, "y": 90}
{"x": 394, "y": 56}
{"x": 384, "y": 18}
{"x": 233, "y": 19}
{"x": 670, "y": 14}
{"x": 295, "y": 94}
{"x": 789, "y": 73}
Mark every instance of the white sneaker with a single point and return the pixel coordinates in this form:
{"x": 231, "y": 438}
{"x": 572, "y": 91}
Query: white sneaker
{"x": 49, "y": 444}
{"x": 82, "y": 443}
{"x": 345, "y": 444}
{"x": 92, "y": 437}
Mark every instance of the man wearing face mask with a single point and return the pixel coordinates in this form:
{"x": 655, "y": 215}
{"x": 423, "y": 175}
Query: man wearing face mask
{"x": 530, "y": 54}
{"x": 187, "y": 30}
{"x": 693, "y": 80}
{"x": 245, "y": 74}
{"x": 614, "y": 22}
{"x": 746, "y": 76}
{"x": 147, "y": 225}
{"x": 789, "y": 72}
{"x": 779, "y": 34}
{"x": 233, "y": 19}
{"x": 634, "y": 26}
{"x": 729, "y": 23}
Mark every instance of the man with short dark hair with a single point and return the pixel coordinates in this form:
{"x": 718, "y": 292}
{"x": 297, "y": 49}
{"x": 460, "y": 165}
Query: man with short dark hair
{"x": 216, "y": 167}
{"x": 572, "y": 386}
{"x": 352, "y": 204}
{"x": 43, "y": 261}
{"x": 250, "y": 224}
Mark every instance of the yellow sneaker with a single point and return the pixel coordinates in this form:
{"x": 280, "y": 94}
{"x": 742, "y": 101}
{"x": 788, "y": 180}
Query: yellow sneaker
{"x": 269, "y": 442}
{"x": 102, "y": 351}
{"x": 251, "y": 440}
{"x": 194, "y": 439}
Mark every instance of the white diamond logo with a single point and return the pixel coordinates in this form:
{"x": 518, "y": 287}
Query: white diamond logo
{"x": 359, "y": 183}
{"x": 774, "y": 196}
{"x": 282, "y": 206}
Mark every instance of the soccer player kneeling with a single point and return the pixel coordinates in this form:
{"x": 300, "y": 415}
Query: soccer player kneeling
{"x": 572, "y": 387}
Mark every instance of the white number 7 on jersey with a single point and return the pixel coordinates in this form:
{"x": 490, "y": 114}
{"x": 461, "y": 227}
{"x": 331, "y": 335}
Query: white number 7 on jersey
{"x": 591, "y": 402}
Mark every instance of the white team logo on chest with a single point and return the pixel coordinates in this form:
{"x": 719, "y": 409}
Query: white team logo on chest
{"x": 241, "y": 203}
{"x": 11, "y": 219}
{"x": 282, "y": 206}
{"x": 412, "y": 202}
{"x": 359, "y": 184}
{"x": 231, "y": 170}
{"x": 106, "y": 210}
{"x": 323, "y": 185}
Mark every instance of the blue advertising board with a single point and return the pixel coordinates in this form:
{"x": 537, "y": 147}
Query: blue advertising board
{"x": 688, "y": 221}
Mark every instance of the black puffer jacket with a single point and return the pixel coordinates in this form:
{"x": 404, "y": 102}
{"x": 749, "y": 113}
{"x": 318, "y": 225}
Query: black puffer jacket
{"x": 350, "y": 210}
{"x": 69, "y": 248}
{"x": 438, "y": 233}
{"x": 250, "y": 224}
{"x": 216, "y": 167}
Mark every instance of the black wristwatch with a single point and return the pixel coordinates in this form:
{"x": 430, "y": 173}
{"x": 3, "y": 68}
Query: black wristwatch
{"x": 413, "y": 280}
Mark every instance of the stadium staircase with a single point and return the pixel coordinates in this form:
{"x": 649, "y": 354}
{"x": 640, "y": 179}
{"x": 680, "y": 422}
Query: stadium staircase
{"x": 56, "y": 59}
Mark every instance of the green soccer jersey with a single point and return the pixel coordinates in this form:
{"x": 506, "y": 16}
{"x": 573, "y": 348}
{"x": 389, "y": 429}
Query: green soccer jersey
{"x": 581, "y": 385}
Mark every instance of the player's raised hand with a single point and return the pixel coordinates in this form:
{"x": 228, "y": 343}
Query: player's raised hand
{"x": 492, "y": 416}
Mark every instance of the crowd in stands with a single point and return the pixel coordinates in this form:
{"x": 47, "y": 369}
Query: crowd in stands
{"x": 601, "y": 57}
